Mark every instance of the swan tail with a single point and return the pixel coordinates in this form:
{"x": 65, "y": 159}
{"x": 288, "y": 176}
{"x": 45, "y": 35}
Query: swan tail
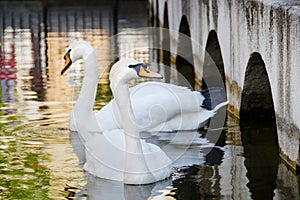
{"x": 213, "y": 97}
{"x": 220, "y": 105}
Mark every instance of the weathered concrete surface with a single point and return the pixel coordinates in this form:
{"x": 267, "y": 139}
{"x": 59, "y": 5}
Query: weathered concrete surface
{"x": 270, "y": 28}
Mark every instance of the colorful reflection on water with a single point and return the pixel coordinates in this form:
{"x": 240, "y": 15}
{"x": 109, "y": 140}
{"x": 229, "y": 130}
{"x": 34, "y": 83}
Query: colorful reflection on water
{"x": 36, "y": 158}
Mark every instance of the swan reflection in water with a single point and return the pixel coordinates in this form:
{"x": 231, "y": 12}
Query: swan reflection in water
{"x": 98, "y": 188}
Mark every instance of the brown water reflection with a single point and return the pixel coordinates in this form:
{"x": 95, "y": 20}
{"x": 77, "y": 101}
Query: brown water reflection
{"x": 36, "y": 159}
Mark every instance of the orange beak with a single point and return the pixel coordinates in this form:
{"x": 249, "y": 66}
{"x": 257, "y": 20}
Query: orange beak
{"x": 145, "y": 72}
{"x": 68, "y": 62}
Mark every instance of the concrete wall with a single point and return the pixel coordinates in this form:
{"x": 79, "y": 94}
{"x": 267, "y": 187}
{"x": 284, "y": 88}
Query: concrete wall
{"x": 270, "y": 28}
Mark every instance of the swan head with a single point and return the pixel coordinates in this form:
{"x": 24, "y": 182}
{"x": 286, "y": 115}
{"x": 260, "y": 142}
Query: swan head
{"x": 126, "y": 70}
{"x": 78, "y": 49}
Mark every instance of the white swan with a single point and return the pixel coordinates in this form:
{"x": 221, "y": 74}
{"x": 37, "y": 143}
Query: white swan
{"x": 156, "y": 106}
{"x": 120, "y": 154}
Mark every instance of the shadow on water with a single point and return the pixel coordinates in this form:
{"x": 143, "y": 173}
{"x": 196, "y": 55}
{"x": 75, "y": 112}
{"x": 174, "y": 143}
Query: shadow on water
{"x": 261, "y": 158}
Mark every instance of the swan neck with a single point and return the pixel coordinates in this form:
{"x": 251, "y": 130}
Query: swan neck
{"x": 132, "y": 138}
{"x": 122, "y": 97}
{"x": 86, "y": 99}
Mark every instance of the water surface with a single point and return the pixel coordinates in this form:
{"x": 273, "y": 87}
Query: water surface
{"x": 37, "y": 160}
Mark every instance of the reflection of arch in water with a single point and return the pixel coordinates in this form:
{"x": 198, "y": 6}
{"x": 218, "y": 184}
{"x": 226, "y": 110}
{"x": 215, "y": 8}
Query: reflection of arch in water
{"x": 37, "y": 71}
{"x": 151, "y": 15}
{"x": 260, "y": 141}
{"x": 166, "y": 45}
{"x": 213, "y": 57}
{"x": 185, "y": 54}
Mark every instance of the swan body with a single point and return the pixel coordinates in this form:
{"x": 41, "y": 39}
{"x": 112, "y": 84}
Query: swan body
{"x": 170, "y": 112}
{"x": 119, "y": 153}
{"x": 113, "y": 167}
{"x": 160, "y": 106}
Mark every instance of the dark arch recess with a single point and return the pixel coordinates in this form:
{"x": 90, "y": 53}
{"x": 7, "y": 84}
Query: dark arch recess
{"x": 257, "y": 101}
{"x": 166, "y": 45}
{"x": 213, "y": 58}
{"x": 184, "y": 59}
{"x": 157, "y": 36}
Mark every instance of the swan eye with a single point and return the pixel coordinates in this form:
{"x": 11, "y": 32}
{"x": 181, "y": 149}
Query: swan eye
{"x": 138, "y": 65}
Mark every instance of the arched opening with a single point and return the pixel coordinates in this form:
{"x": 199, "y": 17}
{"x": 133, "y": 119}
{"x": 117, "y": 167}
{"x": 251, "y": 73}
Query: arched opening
{"x": 184, "y": 59}
{"x": 212, "y": 60}
{"x": 258, "y": 130}
{"x": 166, "y": 45}
{"x": 257, "y": 101}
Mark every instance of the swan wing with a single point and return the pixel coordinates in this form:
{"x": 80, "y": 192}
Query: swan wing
{"x": 158, "y": 106}
{"x": 145, "y": 88}
{"x": 153, "y": 103}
